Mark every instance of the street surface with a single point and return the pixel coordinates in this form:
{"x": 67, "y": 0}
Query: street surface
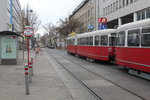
{"x": 59, "y": 76}
{"x": 109, "y": 81}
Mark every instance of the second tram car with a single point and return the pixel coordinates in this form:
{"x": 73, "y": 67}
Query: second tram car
{"x": 133, "y": 50}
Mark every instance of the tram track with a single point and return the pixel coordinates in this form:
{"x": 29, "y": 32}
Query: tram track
{"x": 84, "y": 85}
{"x": 108, "y": 80}
{"x": 88, "y": 88}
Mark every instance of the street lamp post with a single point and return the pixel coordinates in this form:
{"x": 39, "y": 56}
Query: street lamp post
{"x": 28, "y": 23}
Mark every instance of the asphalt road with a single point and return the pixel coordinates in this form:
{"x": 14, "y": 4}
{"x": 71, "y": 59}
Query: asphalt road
{"x": 107, "y": 80}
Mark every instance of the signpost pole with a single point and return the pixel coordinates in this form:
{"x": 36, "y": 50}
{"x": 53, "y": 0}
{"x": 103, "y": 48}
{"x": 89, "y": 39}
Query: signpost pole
{"x": 28, "y": 32}
{"x": 28, "y": 47}
{"x": 26, "y": 78}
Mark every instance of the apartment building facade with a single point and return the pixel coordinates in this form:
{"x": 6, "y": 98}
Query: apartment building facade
{"x": 117, "y": 12}
{"x": 86, "y": 15}
{"x": 5, "y": 12}
{"x": 120, "y": 12}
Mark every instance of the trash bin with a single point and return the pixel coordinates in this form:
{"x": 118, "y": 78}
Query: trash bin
{"x": 9, "y": 47}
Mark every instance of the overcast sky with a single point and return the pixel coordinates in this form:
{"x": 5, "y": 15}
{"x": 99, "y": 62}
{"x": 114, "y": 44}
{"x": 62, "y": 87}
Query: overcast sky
{"x": 51, "y": 10}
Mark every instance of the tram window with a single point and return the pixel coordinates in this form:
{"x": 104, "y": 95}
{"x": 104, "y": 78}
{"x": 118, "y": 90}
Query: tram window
{"x": 112, "y": 41}
{"x": 145, "y": 37}
{"x": 91, "y": 40}
{"x": 67, "y": 42}
{"x": 96, "y": 40}
{"x": 81, "y": 41}
{"x": 78, "y": 41}
{"x": 87, "y": 40}
{"x": 121, "y": 38}
{"x": 134, "y": 37}
{"x": 72, "y": 42}
{"x": 104, "y": 40}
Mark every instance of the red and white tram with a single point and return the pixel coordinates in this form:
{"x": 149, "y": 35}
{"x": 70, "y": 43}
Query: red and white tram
{"x": 71, "y": 46}
{"x": 133, "y": 50}
{"x": 99, "y": 45}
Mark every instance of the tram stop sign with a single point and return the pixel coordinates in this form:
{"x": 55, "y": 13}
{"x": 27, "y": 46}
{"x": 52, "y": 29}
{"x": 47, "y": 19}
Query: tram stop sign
{"x": 28, "y": 31}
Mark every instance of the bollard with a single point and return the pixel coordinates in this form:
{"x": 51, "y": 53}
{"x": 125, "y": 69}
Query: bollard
{"x": 30, "y": 72}
{"x": 32, "y": 65}
{"x": 26, "y": 78}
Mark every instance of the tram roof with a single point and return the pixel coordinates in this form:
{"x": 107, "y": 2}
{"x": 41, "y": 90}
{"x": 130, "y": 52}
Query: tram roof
{"x": 136, "y": 24}
{"x": 106, "y": 31}
{"x": 72, "y": 37}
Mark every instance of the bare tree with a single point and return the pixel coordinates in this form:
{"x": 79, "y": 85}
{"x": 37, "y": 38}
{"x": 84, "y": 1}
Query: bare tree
{"x": 43, "y": 40}
{"x": 29, "y": 17}
{"x": 34, "y": 21}
{"x": 52, "y": 34}
{"x": 67, "y": 26}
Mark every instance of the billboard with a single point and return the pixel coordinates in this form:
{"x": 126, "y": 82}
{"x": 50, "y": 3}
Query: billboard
{"x": 9, "y": 47}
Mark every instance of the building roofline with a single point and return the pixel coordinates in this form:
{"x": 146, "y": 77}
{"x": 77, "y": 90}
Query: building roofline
{"x": 79, "y": 6}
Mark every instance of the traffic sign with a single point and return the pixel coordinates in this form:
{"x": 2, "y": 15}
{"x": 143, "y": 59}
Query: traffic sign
{"x": 102, "y": 27}
{"x": 90, "y": 27}
{"x": 102, "y": 20}
{"x": 28, "y": 31}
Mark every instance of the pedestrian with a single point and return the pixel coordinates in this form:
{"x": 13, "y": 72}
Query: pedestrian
{"x": 37, "y": 51}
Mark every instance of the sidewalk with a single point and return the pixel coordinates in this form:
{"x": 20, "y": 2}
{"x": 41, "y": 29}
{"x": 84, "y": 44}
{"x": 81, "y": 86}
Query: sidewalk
{"x": 46, "y": 84}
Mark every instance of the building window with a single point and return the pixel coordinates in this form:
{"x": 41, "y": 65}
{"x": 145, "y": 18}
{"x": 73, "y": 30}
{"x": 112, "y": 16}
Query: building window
{"x": 138, "y": 16}
{"x": 103, "y": 11}
{"x": 117, "y": 5}
{"x": 135, "y": 0}
{"x": 148, "y": 13}
{"x": 88, "y": 13}
{"x": 127, "y": 2}
{"x": 92, "y": 10}
{"x": 123, "y": 3}
{"x": 143, "y": 14}
{"x": 108, "y": 10}
{"x": 113, "y": 6}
